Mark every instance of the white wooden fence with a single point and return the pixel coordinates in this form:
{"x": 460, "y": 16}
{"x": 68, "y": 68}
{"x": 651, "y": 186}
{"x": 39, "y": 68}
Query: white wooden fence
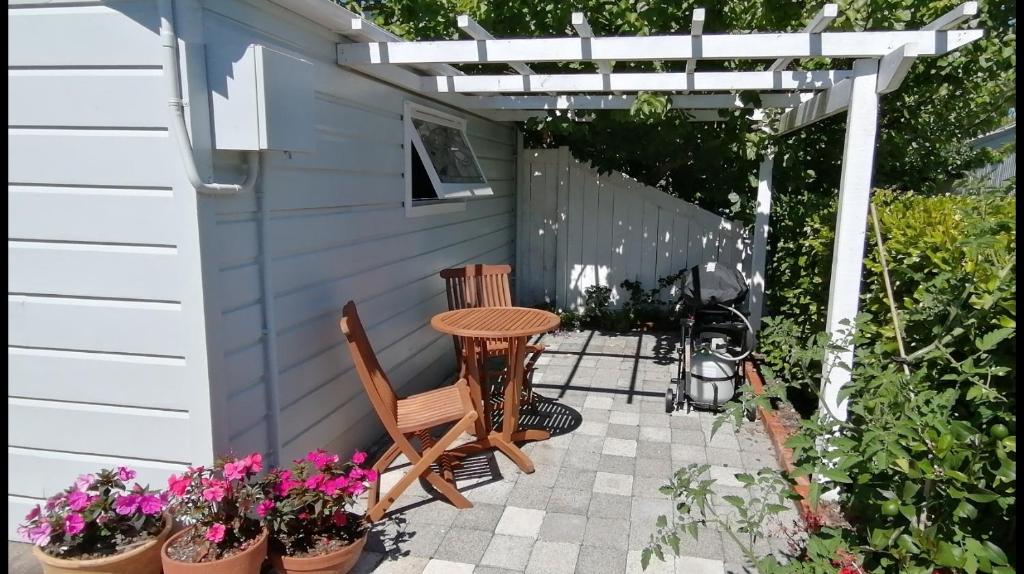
{"x": 577, "y": 229}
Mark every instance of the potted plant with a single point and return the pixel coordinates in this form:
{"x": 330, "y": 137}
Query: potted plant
{"x": 219, "y": 506}
{"x": 100, "y": 525}
{"x": 309, "y": 512}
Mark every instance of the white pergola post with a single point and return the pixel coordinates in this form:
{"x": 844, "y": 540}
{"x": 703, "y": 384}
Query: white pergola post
{"x": 851, "y": 227}
{"x": 758, "y": 257}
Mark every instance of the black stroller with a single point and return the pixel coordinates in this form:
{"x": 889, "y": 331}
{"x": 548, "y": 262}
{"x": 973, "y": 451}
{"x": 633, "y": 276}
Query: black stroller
{"x": 715, "y": 338}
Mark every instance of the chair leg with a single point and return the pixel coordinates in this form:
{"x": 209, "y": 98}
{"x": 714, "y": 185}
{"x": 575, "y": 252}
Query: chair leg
{"x": 380, "y": 466}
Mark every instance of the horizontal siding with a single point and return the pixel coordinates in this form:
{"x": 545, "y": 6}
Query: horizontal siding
{"x": 105, "y": 365}
{"x": 337, "y": 231}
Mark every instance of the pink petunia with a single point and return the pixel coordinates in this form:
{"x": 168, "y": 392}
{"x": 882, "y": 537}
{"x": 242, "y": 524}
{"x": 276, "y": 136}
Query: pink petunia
{"x": 127, "y": 504}
{"x": 316, "y": 481}
{"x": 40, "y": 535}
{"x": 356, "y": 488}
{"x": 264, "y": 507}
{"x": 215, "y": 533}
{"x": 34, "y": 513}
{"x": 178, "y": 486}
{"x": 78, "y": 500}
{"x": 254, "y": 462}
{"x": 286, "y": 484}
{"x": 150, "y": 504}
{"x": 359, "y": 457}
{"x": 371, "y": 475}
{"x": 125, "y": 473}
{"x": 234, "y": 470}
{"x": 340, "y": 518}
{"x": 332, "y": 486}
{"x": 321, "y": 458}
{"x": 215, "y": 491}
{"x": 54, "y": 500}
{"x": 74, "y": 523}
{"x": 84, "y": 481}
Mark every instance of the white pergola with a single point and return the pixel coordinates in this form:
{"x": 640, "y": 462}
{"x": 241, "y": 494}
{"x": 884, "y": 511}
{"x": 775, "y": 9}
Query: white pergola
{"x": 881, "y": 61}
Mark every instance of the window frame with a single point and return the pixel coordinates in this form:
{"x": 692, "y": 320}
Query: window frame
{"x": 454, "y": 195}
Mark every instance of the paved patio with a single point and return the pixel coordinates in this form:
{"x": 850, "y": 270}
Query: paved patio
{"x": 593, "y": 500}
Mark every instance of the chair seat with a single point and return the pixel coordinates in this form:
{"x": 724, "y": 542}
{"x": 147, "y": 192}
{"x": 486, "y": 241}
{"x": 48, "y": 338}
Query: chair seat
{"x": 432, "y": 408}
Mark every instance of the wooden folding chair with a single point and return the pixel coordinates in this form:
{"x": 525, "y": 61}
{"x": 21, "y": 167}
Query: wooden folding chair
{"x": 488, "y": 286}
{"x": 407, "y": 418}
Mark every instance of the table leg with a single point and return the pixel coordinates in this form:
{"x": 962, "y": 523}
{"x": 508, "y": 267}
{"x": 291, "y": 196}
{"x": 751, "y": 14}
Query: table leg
{"x": 472, "y": 370}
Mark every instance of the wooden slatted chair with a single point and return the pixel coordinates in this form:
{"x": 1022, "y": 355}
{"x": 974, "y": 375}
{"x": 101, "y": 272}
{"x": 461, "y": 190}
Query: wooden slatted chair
{"x": 410, "y": 417}
{"x": 488, "y": 286}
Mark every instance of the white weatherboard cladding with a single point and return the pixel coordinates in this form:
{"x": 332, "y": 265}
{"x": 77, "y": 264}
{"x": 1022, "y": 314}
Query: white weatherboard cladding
{"x": 578, "y": 229}
{"x": 337, "y": 230}
{"x": 106, "y": 342}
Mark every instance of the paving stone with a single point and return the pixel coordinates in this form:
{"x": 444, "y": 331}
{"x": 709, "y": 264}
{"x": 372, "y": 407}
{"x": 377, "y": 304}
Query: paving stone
{"x": 725, "y": 476}
{"x": 694, "y": 565}
{"x": 569, "y": 501}
{"x": 647, "y": 449}
{"x": 558, "y": 527}
{"x": 647, "y": 486}
{"x": 617, "y": 464}
{"x": 508, "y": 552}
{"x": 725, "y": 457}
{"x": 682, "y": 421}
{"x": 623, "y": 431}
{"x": 446, "y": 567}
{"x": 520, "y": 522}
{"x": 464, "y": 545}
{"x": 604, "y": 505}
{"x": 606, "y": 533}
{"x": 655, "y": 467}
{"x": 400, "y": 565}
{"x": 593, "y": 428}
{"x": 739, "y": 569}
{"x": 656, "y": 434}
{"x": 694, "y": 437}
{"x": 596, "y": 415}
{"x": 434, "y": 512}
{"x": 526, "y": 495}
{"x": 553, "y": 558}
{"x": 419, "y": 541}
{"x": 610, "y": 483}
{"x": 496, "y": 492}
{"x": 482, "y": 516}
{"x": 619, "y": 447}
{"x": 584, "y": 443}
{"x": 541, "y": 476}
{"x": 654, "y": 567}
{"x": 582, "y": 460}
{"x": 708, "y": 544}
{"x": 494, "y": 570}
{"x": 596, "y": 560}
{"x": 576, "y": 479}
{"x": 598, "y": 402}
{"x": 546, "y": 454}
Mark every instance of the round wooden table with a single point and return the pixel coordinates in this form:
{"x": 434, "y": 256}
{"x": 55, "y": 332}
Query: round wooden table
{"x": 478, "y": 327}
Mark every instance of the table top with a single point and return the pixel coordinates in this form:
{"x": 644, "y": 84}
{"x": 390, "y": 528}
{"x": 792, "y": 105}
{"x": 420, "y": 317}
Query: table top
{"x": 495, "y": 322}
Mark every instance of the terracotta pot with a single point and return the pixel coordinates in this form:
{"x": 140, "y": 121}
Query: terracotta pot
{"x": 142, "y": 560}
{"x": 249, "y": 561}
{"x": 338, "y": 562}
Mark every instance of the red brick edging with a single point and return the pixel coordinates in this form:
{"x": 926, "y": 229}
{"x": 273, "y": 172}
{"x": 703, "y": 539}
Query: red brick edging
{"x": 778, "y": 435}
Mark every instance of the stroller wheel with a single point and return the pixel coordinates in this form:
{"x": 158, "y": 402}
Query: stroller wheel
{"x": 670, "y": 400}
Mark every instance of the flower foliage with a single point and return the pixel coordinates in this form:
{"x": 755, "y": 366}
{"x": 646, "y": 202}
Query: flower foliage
{"x": 309, "y": 507}
{"x": 95, "y": 516}
{"x": 221, "y": 502}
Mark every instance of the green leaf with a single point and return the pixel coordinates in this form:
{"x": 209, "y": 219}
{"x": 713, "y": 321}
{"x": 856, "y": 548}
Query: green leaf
{"x": 645, "y": 558}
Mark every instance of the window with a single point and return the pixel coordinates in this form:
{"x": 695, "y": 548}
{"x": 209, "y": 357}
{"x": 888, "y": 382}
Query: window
{"x": 441, "y": 169}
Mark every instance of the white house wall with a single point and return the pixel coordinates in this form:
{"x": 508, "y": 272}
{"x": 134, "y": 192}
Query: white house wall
{"x": 337, "y": 231}
{"x": 578, "y": 229}
{"x": 106, "y": 340}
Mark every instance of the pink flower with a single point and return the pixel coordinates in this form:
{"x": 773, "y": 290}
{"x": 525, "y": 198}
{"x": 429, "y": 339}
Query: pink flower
{"x": 74, "y": 523}
{"x": 356, "y": 488}
{"x": 264, "y": 507}
{"x": 215, "y": 533}
{"x": 84, "y": 481}
{"x": 340, "y": 518}
{"x": 321, "y": 458}
{"x": 215, "y": 491}
{"x": 371, "y": 475}
{"x": 54, "y": 500}
{"x": 34, "y": 513}
{"x": 78, "y": 500}
{"x": 356, "y": 474}
{"x": 125, "y": 473}
{"x": 315, "y": 482}
{"x": 234, "y": 470}
{"x": 287, "y": 483}
{"x": 103, "y": 519}
{"x": 40, "y": 535}
{"x": 178, "y": 486}
{"x": 126, "y": 504}
{"x": 150, "y": 504}
{"x": 359, "y": 457}
{"x": 253, "y": 462}
{"x": 303, "y": 515}
{"x": 332, "y": 486}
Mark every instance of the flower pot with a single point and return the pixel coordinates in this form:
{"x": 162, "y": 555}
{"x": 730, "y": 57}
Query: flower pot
{"x": 338, "y": 562}
{"x": 142, "y": 560}
{"x": 248, "y": 561}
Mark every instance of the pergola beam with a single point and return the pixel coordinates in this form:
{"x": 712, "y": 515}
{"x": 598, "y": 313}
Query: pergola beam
{"x": 713, "y": 47}
{"x": 474, "y": 30}
{"x": 826, "y": 104}
{"x": 954, "y": 17}
{"x": 632, "y": 82}
{"x": 582, "y": 27}
{"x": 698, "y": 115}
{"x": 610, "y": 102}
{"x": 696, "y": 29}
{"x": 817, "y": 25}
{"x": 893, "y": 67}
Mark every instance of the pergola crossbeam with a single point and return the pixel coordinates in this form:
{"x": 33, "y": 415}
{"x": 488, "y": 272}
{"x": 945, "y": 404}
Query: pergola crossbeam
{"x": 696, "y": 29}
{"x": 474, "y": 30}
{"x": 582, "y": 27}
{"x": 893, "y": 67}
{"x": 610, "y": 102}
{"x": 824, "y": 105}
{"x": 954, "y": 17}
{"x": 817, "y": 24}
{"x": 636, "y": 48}
{"x": 632, "y": 82}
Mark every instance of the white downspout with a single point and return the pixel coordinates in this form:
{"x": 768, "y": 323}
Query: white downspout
{"x": 269, "y": 332}
{"x": 169, "y": 41}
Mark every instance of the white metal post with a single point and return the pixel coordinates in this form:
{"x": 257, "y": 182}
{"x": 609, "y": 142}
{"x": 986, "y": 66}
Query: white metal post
{"x": 758, "y": 257}
{"x": 851, "y": 228}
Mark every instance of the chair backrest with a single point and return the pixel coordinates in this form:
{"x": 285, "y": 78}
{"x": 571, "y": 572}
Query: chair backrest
{"x": 478, "y": 286}
{"x": 378, "y": 387}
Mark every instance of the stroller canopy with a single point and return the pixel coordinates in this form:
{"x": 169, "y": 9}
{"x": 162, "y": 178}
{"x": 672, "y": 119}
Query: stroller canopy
{"x": 710, "y": 283}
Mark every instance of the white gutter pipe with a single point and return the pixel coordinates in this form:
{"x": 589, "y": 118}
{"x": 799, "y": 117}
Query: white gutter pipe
{"x": 169, "y": 41}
